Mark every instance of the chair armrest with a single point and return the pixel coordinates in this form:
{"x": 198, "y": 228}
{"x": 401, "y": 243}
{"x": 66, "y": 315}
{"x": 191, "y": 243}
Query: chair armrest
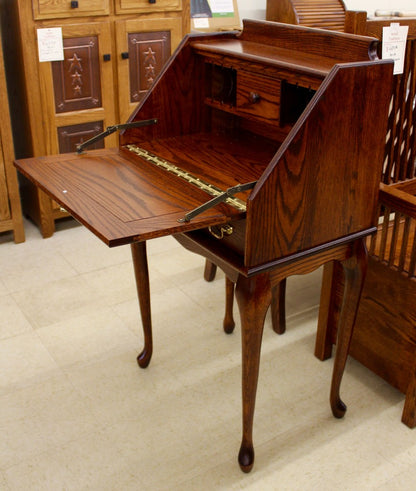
{"x": 398, "y": 197}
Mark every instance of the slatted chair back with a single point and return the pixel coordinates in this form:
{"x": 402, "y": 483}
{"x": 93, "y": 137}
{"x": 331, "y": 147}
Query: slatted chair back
{"x": 395, "y": 242}
{"x": 400, "y": 152}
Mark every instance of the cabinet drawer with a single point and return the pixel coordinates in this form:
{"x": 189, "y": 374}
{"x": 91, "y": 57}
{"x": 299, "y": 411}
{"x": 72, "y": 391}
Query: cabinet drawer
{"x": 258, "y": 96}
{"x": 52, "y": 9}
{"x": 131, "y": 6}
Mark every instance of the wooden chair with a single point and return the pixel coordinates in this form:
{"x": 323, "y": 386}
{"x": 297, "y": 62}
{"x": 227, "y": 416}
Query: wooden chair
{"x": 385, "y": 332}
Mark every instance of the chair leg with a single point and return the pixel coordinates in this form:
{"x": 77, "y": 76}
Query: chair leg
{"x": 138, "y": 251}
{"x": 210, "y": 270}
{"x": 228, "y": 322}
{"x": 409, "y": 410}
{"x": 278, "y": 307}
{"x": 327, "y": 314}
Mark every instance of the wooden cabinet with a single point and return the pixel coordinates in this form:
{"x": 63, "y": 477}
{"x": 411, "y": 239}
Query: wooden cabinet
{"x": 10, "y": 208}
{"x": 113, "y": 51}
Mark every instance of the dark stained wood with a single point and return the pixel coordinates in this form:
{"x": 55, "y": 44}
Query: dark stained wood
{"x": 305, "y": 176}
{"x": 278, "y": 307}
{"x": 209, "y": 271}
{"x": 228, "y": 323}
{"x": 85, "y": 185}
{"x": 315, "y": 197}
{"x": 141, "y": 272}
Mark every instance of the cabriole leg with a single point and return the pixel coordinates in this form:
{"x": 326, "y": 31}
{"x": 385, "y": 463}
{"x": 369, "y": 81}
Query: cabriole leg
{"x": 253, "y": 297}
{"x": 354, "y": 269}
{"x": 141, "y": 272}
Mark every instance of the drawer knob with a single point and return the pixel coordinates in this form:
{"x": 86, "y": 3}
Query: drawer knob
{"x": 152, "y": 1}
{"x": 107, "y": 57}
{"x": 125, "y": 55}
{"x": 253, "y": 97}
{"x": 74, "y": 4}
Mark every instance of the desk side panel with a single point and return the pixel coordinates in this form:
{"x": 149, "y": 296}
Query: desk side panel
{"x": 322, "y": 184}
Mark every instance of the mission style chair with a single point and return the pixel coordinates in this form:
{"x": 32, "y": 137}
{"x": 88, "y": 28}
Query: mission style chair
{"x": 384, "y": 337}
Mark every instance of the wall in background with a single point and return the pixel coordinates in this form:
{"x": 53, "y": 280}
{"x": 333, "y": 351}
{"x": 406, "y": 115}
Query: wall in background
{"x": 256, "y": 9}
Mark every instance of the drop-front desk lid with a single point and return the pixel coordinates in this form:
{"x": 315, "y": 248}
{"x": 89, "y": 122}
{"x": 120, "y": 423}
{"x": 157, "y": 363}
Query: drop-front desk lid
{"x": 123, "y": 197}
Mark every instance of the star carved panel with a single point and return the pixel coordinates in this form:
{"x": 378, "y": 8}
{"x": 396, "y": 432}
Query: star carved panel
{"x": 148, "y": 52}
{"x": 76, "y": 79}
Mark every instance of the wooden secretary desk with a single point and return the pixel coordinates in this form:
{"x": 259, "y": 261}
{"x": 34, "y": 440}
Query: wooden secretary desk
{"x": 113, "y": 50}
{"x": 256, "y": 150}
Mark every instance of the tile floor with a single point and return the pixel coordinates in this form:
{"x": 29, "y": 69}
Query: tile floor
{"x": 76, "y": 412}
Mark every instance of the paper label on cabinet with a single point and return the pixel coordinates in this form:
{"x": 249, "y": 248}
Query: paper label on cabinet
{"x": 394, "y": 45}
{"x": 201, "y": 23}
{"x": 50, "y": 44}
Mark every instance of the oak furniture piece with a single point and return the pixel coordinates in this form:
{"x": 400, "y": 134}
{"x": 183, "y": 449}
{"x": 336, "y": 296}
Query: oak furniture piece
{"x": 254, "y": 150}
{"x": 10, "y": 207}
{"x": 385, "y": 332}
{"x": 325, "y": 14}
{"x": 113, "y": 51}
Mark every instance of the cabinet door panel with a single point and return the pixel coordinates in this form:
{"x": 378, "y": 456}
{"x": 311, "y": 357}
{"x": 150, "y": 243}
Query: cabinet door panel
{"x": 141, "y": 6}
{"x": 149, "y": 44}
{"x": 79, "y": 89}
{"x": 48, "y": 9}
{"x": 72, "y": 135}
{"x": 76, "y": 79}
{"x": 148, "y": 52}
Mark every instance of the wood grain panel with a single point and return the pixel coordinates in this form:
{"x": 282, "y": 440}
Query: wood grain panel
{"x": 47, "y": 9}
{"x": 138, "y": 6}
{"x": 307, "y": 178}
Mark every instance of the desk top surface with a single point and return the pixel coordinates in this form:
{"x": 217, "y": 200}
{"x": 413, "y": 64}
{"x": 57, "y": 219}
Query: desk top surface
{"x": 123, "y": 198}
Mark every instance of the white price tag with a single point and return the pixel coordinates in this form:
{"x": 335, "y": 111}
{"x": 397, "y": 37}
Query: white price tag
{"x": 201, "y": 22}
{"x": 394, "y": 45}
{"x": 50, "y": 44}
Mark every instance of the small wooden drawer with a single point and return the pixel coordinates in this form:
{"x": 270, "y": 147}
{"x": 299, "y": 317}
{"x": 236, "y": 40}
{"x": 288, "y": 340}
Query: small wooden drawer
{"x": 258, "y": 96}
{"x": 146, "y": 6}
{"x": 52, "y": 9}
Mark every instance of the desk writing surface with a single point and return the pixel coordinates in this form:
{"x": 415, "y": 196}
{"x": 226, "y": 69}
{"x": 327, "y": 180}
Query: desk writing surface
{"x": 122, "y": 198}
